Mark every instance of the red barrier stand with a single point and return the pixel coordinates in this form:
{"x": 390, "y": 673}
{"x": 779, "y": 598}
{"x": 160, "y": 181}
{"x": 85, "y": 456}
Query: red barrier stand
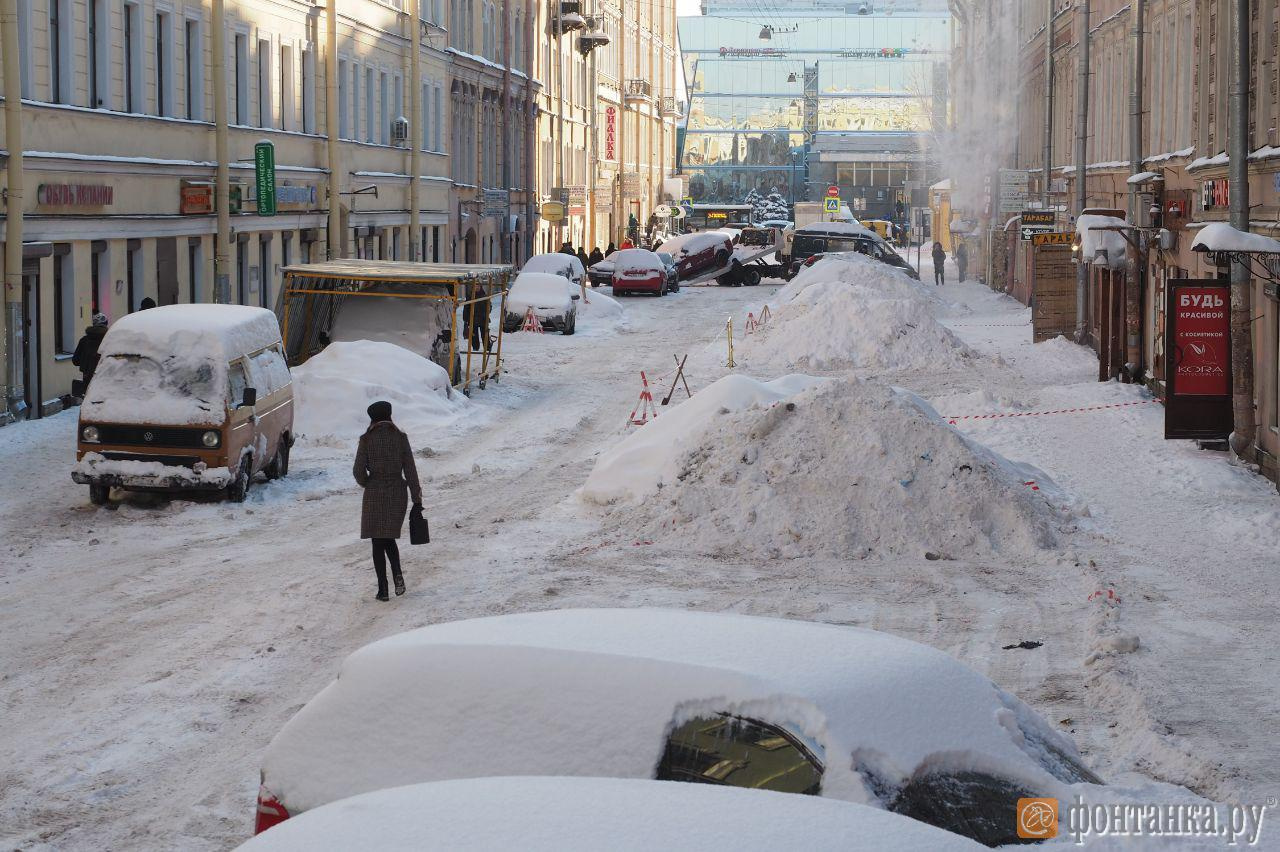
{"x": 644, "y": 408}
{"x": 531, "y": 322}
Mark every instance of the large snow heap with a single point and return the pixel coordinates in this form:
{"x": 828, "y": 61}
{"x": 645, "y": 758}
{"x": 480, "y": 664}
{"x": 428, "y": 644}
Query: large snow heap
{"x": 853, "y": 312}
{"x": 808, "y": 467}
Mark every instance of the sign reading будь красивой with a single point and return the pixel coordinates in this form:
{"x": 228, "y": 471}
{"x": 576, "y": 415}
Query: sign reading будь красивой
{"x": 1198, "y": 359}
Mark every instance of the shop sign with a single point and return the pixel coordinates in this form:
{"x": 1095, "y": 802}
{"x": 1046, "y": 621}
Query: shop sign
{"x": 1037, "y": 222}
{"x": 751, "y": 51}
{"x": 496, "y": 202}
{"x": 631, "y": 186}
{"x": 75, "y": 195}
{"x": 1177, "y": 208}
{"x": 576, "y": 199}
{"x": 553, "y": 212}
{"x": 1215, "y": 194}
{"x": 264, "y": 173}
{"x": 611, "y": 133}
{"x": 1198, "y": 360}
{"x": 1059, "y": 238}
{"x": 296, "y": 195}
{"x": 195, "y": 199}
{"x": 1014, "y": 190}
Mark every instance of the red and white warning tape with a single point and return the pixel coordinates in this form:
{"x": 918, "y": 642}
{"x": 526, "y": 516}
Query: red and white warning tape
{"x": 1080, "y": 410}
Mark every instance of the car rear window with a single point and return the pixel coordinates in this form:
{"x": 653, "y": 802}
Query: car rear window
{"x": 740, "y": 752}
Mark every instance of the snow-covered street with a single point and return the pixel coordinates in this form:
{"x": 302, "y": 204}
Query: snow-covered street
{"x": 152, "y": 648}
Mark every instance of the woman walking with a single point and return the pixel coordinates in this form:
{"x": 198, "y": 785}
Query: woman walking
{"x": 385, "y": 470}
{"x": 939, "y": 264}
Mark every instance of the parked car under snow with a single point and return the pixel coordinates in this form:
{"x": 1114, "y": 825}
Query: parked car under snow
{"x": 556, "y": 263}
{"x": 540, "y": 814}
{"x": 640, "y": 271}
{"x": 552, "y": 298}
{"x": 788, "y": 706}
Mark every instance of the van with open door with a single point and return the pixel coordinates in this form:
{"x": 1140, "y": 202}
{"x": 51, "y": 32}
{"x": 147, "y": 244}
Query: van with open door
{"x": 187, "y": 398}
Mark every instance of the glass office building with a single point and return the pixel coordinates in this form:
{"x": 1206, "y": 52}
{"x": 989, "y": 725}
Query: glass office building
{"x": 816, "y": 93}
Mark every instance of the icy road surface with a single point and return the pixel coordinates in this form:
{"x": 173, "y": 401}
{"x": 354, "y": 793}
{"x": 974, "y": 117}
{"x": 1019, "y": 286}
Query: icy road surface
{"x": 149, "y": 652}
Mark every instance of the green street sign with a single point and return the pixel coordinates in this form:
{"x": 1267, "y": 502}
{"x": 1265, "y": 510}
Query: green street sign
{"x": 264, "y": 168}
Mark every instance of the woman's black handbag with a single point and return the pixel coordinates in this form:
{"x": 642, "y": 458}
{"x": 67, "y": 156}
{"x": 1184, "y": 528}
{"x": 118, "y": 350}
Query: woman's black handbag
{"x": 419, "y": 531}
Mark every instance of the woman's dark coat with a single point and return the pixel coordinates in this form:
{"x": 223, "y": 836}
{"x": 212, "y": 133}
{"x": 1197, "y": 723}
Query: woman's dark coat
{"x": 384, "y": 467}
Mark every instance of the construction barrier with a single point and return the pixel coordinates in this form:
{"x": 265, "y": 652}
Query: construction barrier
{"x": 953, "y": 419}
{"x": 728, "y": 327}
{"x": 751, "y": 324}
{"x": 644, "y": 408}
{"x": 531, "y": 322}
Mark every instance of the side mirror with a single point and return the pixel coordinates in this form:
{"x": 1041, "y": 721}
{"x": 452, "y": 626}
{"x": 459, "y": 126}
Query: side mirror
{"x": 575, "y": 297}
{"x": 250, "y": 398}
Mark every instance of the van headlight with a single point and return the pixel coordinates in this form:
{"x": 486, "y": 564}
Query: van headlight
{"x": 90, "y": 434}
{"x": 210, "y": 439}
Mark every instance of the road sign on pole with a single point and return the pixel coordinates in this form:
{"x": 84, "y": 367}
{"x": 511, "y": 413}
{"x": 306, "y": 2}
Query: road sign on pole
{"x": 831, "y": 205}
{"x": 833, "y": 192}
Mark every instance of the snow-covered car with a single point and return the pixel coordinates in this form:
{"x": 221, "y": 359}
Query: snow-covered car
{"x": 699, "y": 251}
{"x": 807, "y": 249}
{"x": 788, "y": 706}
{"x": 638, "y": 271}
{"x": 780, "y": 224}
{"x": 541, "y": 814}
{"x": 733, "y": 232}
{"x": 600, "y": 273}
{"x": 556, "y": 263}
{"x": 552, "y": 298}
{"x": 187, "y": 398}
{"x": 673, "y": 273}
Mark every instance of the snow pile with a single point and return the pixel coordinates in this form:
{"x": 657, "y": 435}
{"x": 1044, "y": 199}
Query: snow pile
{"x": 1093, "y": 239}
{"x": 598, "y": 307}
{"x": 853, "y": 312}
{"x": 845, "y": 469}
{"x": 168, "y": 365}
{"x": 540, "y": 814}
{"x": 650, "y": 458}
{"x": 1222, "y": 237}
{"x": 334, "y": 388}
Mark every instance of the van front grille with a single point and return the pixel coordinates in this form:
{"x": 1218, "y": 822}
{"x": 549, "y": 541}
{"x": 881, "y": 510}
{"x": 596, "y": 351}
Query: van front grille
{"x": 172, "y": 461}
{"x": 151, "y": 436}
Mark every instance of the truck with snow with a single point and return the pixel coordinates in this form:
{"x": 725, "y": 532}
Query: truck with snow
{"x": 808, "y": 212}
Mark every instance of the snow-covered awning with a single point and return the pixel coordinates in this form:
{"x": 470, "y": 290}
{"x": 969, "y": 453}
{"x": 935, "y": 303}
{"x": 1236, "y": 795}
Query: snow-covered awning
{"x": 1098, "y": 234}
{"x": 1144, "y": 177}
{"x": 1221, "y": 237}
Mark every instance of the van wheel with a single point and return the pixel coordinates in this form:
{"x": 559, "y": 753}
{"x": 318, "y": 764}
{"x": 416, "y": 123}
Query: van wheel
{"x": 239, "y": 490}
{"x": 99, "y": 494}
{"x": 280, "y": 462}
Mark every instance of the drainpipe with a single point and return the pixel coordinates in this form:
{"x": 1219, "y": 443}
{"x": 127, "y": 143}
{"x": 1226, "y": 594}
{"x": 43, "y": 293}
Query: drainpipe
{"x": 505, "y": 102}
{"x": 529, "y": 118}
{"x": 1082, "y": 151}
{"x": 14, "y": 193}
{"x": 1048, "y": 102}
{"x": 1242, "y": 438}
{"x": 222, "y": 175}
{"x": 415, "y": 130}
{"x": 1136, "y": 257}
{"x": 331, "y": 131}
{"x": 593, "y": 158}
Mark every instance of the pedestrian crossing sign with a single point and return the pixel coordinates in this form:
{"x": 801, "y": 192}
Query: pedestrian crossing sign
{"x": 831, "y": 205}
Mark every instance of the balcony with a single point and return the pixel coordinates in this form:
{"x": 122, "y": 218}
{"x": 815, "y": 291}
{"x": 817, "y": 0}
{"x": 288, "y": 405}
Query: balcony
{"x": 570, "y": 17}
{"x": 670, "y": 109}
{"x": 640, "y": 91}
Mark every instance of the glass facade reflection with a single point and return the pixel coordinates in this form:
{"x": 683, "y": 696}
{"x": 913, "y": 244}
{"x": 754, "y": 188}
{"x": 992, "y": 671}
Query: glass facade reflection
{"x": 772, "y": 101}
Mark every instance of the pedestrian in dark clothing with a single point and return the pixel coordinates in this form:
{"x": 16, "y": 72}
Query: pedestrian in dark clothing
{"x": 962, "y": 259}
{"x": 582, "y": 256}
{"x": 475, "y": 322}
{"x": 86, "y": 354}
{"x": 596, "y": 256}
{"x": 385, "y": 470}
{"x": 567, "y": 248}
{"x": 147, "y": 302}
{"x": 610, "y": 250}
{"x": 939, "y": 264}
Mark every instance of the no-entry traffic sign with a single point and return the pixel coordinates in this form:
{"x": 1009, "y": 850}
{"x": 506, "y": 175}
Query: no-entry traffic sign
{"x": 833, "y": 192}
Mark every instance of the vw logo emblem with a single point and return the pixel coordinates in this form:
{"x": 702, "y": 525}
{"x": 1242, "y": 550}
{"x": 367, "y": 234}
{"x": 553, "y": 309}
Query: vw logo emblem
{"x": 148, "y": 437}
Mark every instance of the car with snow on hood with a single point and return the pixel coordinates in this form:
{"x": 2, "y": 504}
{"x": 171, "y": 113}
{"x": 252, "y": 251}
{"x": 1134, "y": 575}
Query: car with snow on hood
{"x": 549, "y": 814}
{"x": 807, "y": 247}
{"x": 674, "y": 695}
{"x": 187, "y": 398}
{"x": 700, "y": 251}
{"x": 557, "y": 263}
{"x": 639, "y": 271}
{"x": 552, "y": 298}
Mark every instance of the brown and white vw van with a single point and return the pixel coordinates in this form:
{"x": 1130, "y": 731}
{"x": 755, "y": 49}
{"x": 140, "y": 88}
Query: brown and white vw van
{"x": 187, "y": 398}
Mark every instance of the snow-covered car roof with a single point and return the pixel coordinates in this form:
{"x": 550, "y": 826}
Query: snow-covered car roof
{"x": 539, "y": 814}
{"x": 557, "y": 263}
{"x": 217, "y": 332}
{"x": 694, "y": 242}
{"x": 852, "y": 229}
{"x": 596, "y": 692}
{"x": 539, "y": 290}
{"x": 637, "y": 258}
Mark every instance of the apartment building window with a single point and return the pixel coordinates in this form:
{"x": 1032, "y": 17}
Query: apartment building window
{"x": 309, "y": 91}
{"x": 517, "y": 42}
{"x": 99, "y": 50}
{"x": 398, "y": 97}
{"x": 437, "y": 118}
{"x": 384, "y": 104}
{"x": 164, "y": 63}
{"x": 344, "y": 112}
{"x": 61, "y": 51}
{"x": 241, "y": 79}
{"x": 355, "y": 101}
{"x": 64, "y": 301}
{"x": 486, "y": 24}
{"x": 132, "y": 58}
{"x": 424, "y": 118}
{"x": 288, "y": 100}
{"x": 193, "y": 44}
{"x": 265, "y": 112}
{"x": 195, "y": 270}
{"x": 242, "y": 272}
{"x": 370, "y": 107}
{"x": 264, "y": 270}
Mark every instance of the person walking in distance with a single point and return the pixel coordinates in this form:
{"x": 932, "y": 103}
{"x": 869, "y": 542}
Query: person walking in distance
{"x": 962, "y": 259}
{"x": 384, "y": 468}
{"x": 939, "y": 264}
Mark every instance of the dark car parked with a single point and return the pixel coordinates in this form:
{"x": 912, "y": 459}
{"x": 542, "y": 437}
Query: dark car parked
{"x": 806, "y": 249}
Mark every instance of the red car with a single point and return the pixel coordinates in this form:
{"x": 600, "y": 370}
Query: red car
{"x": 699, "y": 252}
{"x": 638, "y": 271}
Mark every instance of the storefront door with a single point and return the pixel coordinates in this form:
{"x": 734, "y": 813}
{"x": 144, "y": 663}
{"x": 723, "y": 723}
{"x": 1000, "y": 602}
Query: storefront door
{"x": 29, "y": 351}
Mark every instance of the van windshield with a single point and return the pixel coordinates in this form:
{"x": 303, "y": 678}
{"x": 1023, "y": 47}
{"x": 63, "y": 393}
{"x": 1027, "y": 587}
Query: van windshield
{"x": 173, "y": 391}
